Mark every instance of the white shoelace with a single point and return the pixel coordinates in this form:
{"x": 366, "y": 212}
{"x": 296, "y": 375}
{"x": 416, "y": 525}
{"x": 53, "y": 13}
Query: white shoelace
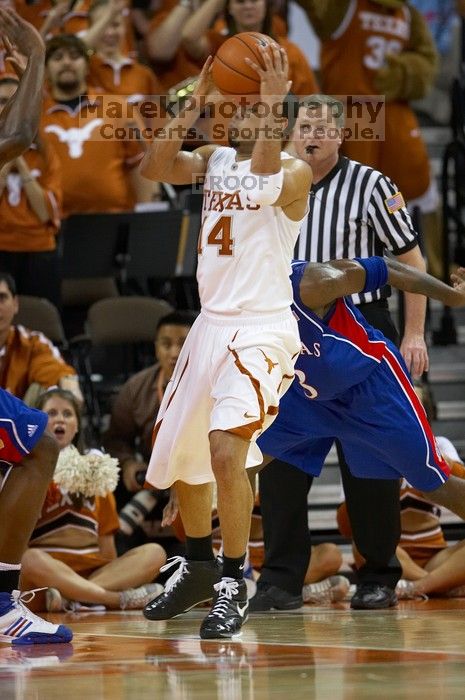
{"x": 226, "y": 588}
{"x": 21, "y": 597}
{"x": 178, "y": 575}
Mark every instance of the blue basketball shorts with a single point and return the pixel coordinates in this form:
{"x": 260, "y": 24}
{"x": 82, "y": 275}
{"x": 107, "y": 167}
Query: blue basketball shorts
{"x": 380, "y": 423}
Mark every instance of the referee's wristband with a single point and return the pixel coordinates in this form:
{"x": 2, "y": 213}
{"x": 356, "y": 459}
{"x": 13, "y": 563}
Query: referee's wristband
{"x": 376, "y": 272}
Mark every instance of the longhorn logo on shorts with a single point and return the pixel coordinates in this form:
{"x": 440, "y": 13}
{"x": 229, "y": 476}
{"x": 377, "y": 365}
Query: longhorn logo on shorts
{"x": 270, "y": 363}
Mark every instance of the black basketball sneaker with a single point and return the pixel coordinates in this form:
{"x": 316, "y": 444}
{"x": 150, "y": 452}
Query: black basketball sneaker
{"x": 229, "y": 610}
{"x": 192, "y": 583}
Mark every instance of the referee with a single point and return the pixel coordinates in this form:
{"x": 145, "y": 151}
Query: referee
{"x": 354, "y": 211}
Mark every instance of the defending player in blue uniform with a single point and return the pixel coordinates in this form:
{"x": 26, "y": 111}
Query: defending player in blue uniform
{"x": 352, "y": 384}
{"x": 24, "y": 446}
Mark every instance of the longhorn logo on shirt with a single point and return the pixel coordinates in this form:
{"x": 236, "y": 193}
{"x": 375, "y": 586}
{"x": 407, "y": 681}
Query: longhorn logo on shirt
{"x": 14, "y": 182}
{"x": 74, "y": 137}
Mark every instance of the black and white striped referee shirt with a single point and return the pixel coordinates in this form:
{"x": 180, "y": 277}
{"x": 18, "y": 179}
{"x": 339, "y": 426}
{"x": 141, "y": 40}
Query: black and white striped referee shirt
{"x": 350, "y": 217}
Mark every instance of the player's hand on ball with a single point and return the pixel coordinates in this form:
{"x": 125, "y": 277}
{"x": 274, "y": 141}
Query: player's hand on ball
{"x": 274, "y": 80}
{"x": 205, "y": 86}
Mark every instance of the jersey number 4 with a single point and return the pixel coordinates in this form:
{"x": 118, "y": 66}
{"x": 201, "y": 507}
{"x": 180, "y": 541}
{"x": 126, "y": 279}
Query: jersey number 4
{"x": 220, "y": 235}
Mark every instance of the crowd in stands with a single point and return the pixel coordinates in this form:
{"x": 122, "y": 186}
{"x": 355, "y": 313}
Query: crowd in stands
{"x": 109, "y": 549}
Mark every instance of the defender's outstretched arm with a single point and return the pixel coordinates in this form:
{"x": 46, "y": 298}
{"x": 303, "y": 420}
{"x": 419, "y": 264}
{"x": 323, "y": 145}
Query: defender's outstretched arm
{"x": 323, "y": 283}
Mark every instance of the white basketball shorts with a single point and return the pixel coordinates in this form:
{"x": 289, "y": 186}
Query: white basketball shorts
{"x": 229, "y": 376}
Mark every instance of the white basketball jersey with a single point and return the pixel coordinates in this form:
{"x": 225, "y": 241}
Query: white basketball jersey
{"x": 245, "y": 249}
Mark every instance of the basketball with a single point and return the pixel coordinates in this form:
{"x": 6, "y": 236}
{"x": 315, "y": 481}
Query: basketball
{"x": 230, "y": 73}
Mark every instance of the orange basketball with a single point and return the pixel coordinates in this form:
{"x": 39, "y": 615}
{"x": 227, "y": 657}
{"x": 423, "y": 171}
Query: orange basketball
{"x": 230, "y": 73}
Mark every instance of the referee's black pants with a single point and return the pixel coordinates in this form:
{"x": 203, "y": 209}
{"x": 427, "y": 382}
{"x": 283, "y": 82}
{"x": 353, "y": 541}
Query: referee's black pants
{"x": 373, "y": 506}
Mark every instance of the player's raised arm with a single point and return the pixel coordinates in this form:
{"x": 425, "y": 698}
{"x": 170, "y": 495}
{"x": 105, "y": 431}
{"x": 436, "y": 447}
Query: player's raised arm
{"x": 278, "y": 183}
{"x": 19, "y": 120}
{"x": 164, "y": 160}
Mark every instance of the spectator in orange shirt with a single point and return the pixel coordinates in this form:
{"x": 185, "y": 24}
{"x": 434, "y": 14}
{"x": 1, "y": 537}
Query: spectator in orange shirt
{"x": 99, "y": 174}
{"x": 30, "y": 199}
{"x": 28, "y": 357}
{"x": 110, "y": 70}
{"x": 243, "y": 16}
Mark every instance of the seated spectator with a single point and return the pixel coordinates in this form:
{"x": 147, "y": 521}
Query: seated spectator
{"x": 99, "y": 175}
{"x": 28, "y": 357}
{"x": 110, "y": 70}
{"x": 429, "y": 565}
{"x": 171, "y": 62}
{"x": 30, "y": 198}
{"x": 251, "y": 16}
{"x": 72, "y": 551}
{"x": 129, "y": 436}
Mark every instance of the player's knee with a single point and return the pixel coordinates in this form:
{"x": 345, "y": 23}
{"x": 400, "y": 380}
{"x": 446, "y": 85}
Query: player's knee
{"x": 223, "y": 463}
{"x": 154, "y": 554}
{"x": 33, "y": 560}
{"x": 329, "y": 557}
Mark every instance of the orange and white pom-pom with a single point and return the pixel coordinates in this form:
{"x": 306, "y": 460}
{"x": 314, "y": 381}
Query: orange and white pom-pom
{"x": 91, "y": 474}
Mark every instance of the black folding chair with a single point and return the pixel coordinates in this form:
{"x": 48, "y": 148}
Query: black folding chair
{"x": 119, "y": 341}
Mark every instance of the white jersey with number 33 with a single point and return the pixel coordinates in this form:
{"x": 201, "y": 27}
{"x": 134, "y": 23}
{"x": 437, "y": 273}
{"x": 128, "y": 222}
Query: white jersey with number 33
{"x": 245, "y": 249}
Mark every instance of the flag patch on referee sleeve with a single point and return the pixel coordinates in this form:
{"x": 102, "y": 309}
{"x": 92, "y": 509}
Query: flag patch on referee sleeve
{"x": 394, "y": 203}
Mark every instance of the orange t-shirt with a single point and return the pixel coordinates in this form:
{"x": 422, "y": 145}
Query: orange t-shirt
{"x": 357, "y": 49}
{"x": 95, "y": 169}
{"x": 129, "y": 78}
{"x": 350, "y": 60}
{"x": 30, "y": 357}
{"x": 20, "y": 228}
{"x": 181, "y": 66}
{"x": 69, "y": 531}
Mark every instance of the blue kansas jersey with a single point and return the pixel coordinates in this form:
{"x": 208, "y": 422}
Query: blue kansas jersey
{"x": 338, "y": 351}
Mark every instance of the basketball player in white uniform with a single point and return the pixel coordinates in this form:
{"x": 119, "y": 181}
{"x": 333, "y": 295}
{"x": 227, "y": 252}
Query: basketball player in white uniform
{"x": 238, "y": 358}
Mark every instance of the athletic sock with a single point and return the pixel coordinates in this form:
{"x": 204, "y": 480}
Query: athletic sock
{"x": 233, "y": 568}
{"x": 199, "y": 548}
{"x": 9, "y": 582}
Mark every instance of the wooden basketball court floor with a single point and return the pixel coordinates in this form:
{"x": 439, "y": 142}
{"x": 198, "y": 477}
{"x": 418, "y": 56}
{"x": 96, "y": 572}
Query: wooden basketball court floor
{"x": 414, "y": 651}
